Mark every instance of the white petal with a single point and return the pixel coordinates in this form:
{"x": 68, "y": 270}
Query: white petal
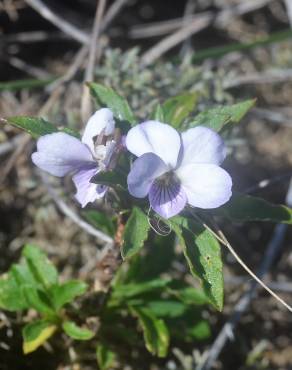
{"x": 60, "y": 153}
{"x": 206, "y": 185}
{"x": 87, "y": 192}
{"x": 202, "y": 145}
{"x": 144, "y": 171}
{"x": 103, "y": 119}
{"x": 155, "y": 137}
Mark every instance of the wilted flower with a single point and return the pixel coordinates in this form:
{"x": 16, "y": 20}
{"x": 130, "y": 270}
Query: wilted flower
{"x": 60, "y": 153}
{"x": 174, "y": 169}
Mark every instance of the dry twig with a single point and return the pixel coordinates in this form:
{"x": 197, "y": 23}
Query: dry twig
{"x": 226, "y": 332}
{"x": 274, "y": 115}
{"x": 288, "y": 4}
{"x": 188, "y": 12}
{"x": 94, "y": 54}
{"x": 70, "y": 213}
{"x": 24, "y": 140}
{"x": 71, "y": 71}
{"x": 170, "y": 41}
{"x": 28, "y": 68}
{"x": 10, "y": 145}
{"x": 29, "y": 37}
{"x": 113, "y": 10}
{"x": 59, "y": 21}
{"x": 272, "y": 76}
{"x": 154, "y": 29}
{"x": 200, "y": 22}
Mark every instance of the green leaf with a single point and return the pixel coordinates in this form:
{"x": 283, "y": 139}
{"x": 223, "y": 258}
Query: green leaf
{"x": 110, "y": 178}
{"x": 69, "y": 131}
{"x": 109, "y": 98}
{"x": 244, "y": 208}
{"x": 126, "y": 291}
{"x": 11, "y": 296}
{"x": 24, "y": 276}
{"x": 38, "y": 300}
{"x": 65, "y": 293}
{"x": 200, "y": 331}
{"x": 203, "y": 254}
{"x": 36, "y": 127}
{"x": 217, "y": 52}
{"x": 192, "y": 296}
{"x": 76, "y": 332}
{"x": 217, "y": 118}
{"x": 158, "y": 114}
{"x": 105, "y": 357}
{"x": 101, "y": 221}
{"x": 36, "y": 333}
{"x": 157, "y": 260}
{"x": 41, "y": 267}
{"x": 155, "y": 331}
{"x": 135, "y": 233}
{"x": 166, "y": 308}
{"x": 31, "y": 290}
{"x": 16, "y": 85}
{"x": 178, "y": 108}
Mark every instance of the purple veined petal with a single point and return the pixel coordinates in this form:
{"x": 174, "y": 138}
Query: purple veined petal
{"x": 144, "y": 171}
{"x": 202, "y": 145}
{"x": 102, "y": 119}
{"x": 155, "y": 137}
{"x": 60, "y": 153}
{"x": 206, "y": 185}
{"x": 87, "y": 192}
{"x": 169, "y": 200}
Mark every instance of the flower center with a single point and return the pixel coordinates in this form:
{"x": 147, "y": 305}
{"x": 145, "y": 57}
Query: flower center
{"x": 168, "y": 179}
{"x": 103, "y": 153}
{"x": 106, "y": 149}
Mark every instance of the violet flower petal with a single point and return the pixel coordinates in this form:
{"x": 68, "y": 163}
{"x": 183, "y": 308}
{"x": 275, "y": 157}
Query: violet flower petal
{"x": 202, "y": 145}
{"x": 87, "y": 192}
{"x": 102, "y": 119}
{"x": 155, "y": 137}
{"x": 167, "y": 201}
{"x": 206, "y": 185}
{"x": 144, "y": 171}
{"x": 60, "y": 153}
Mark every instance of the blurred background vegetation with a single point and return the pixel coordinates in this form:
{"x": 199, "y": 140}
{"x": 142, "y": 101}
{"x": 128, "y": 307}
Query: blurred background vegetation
{"x": 223, "y": 50}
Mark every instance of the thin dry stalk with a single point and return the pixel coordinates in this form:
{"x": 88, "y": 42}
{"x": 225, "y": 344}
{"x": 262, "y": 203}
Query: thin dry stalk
{"x": 272, "y": 251}
{"x": 59, "y": 21}
{"x": 169, "y": 42}
{"x": 71, "y": 71}
{"x": 28, "y": 68}
{"x": 73, "y": 216}
{"x": 226, "y": 332}
{"x": 155, "y": 29}
{"x": 200, "y": 22}
{"x": 269, "y": 77}
{"x": 94, "y": 54}
{"x": 112, "y": 12}
{"x": 288, "y": 4}
{"x": 21, "y": 145}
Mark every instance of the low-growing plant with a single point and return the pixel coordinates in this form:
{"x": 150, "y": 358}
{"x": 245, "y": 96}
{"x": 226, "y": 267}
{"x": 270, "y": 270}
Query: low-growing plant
{"x": 175, "y": 187}
{"x": 34, "y": 284}
{"x": 158, "y": 305}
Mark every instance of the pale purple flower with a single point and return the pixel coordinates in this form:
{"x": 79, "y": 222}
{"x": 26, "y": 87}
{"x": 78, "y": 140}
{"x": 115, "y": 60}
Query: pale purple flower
{"x": 174, "y": 169}
{"x": 60, "y": 153}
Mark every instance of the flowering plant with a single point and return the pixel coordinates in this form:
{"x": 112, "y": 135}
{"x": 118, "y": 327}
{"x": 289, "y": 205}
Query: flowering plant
{"x": 60, "y": 153}
{"x": 164, "y": 174}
